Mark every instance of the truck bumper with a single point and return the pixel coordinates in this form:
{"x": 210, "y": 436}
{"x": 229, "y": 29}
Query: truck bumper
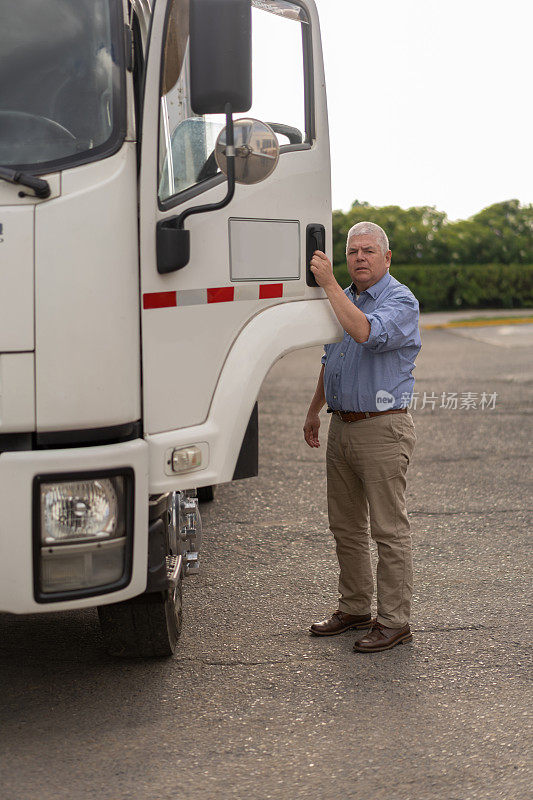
{"x": 17, "y": 473}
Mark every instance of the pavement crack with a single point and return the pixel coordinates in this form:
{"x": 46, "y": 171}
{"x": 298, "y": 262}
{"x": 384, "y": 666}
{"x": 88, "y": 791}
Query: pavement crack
{"x": 474, "y": 512}
{"x": 230, "y": 663}
{"x": 450, "y": 629}
{"x": 486, "y": 457}
{"x": 241, "y": 663}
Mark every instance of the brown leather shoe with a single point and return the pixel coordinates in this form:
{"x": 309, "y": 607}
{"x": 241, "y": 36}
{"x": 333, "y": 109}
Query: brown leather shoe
{"x": 381, "y": 638}
{"x": 340, "y": 622}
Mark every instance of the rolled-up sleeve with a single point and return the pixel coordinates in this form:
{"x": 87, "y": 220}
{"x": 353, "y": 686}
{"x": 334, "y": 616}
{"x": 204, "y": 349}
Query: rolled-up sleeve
{"x": 393, "y": 325}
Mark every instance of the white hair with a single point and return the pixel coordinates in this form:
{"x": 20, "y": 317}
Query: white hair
{"x": 369, "y": 229}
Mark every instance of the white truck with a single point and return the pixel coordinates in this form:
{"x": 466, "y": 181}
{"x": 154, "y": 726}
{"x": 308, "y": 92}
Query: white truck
{"x": 143, "y": 296}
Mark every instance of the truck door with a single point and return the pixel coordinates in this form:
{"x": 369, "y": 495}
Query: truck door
{"x": 252, "y": 253}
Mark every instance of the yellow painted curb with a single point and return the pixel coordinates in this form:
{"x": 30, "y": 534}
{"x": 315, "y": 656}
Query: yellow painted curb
{"x": 481, "y": 323}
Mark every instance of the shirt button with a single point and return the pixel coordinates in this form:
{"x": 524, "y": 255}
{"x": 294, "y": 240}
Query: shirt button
{"x": 334, "y": 396}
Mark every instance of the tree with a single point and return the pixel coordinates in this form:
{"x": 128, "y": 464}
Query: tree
{"x": 507, "y": 233}
{"x": 413, "y": 233}
{"x": 501, "y": 233}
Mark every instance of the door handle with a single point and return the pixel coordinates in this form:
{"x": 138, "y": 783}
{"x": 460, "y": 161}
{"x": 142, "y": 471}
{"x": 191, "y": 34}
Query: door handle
{"x": 315, "y": 240}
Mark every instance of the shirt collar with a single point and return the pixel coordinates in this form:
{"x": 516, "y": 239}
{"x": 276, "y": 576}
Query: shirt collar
{"x": 375, "y": 290}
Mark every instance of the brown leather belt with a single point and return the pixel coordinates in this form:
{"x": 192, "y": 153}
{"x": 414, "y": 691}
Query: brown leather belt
{"x": 355, "y": 416}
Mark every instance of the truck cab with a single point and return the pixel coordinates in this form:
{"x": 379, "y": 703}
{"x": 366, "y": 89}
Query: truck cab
{"x": 144, "y": 294}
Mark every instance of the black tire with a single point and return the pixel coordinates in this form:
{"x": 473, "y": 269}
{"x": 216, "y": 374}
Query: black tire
{"x": 206, "y": 494}
{"x": 147, "y": 626}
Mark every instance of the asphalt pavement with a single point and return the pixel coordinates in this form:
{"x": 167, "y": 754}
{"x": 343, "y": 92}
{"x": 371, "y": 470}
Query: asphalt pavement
{"x": 253, "y": 707}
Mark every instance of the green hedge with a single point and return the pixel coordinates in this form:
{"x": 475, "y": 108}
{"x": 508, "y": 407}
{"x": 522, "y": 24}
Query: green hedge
{"x": 440, "y": 287}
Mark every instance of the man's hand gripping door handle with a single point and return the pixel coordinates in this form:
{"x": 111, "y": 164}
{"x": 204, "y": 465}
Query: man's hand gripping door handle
{"x": 315, "y": 240}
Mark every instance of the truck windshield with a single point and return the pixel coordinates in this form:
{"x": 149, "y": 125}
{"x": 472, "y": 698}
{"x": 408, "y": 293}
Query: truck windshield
{"x": 60, "y": 82}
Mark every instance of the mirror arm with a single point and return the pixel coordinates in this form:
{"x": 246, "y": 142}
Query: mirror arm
{"x": 172, "y": 239}
{"x": 230, "y": 152}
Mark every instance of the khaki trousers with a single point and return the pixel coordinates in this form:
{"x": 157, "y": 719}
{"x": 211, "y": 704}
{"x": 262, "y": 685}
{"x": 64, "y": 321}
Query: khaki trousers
{"x": 366, "y": 466}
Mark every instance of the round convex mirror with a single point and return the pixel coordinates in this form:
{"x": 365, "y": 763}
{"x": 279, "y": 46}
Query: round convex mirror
{"x": 256, "y": 150}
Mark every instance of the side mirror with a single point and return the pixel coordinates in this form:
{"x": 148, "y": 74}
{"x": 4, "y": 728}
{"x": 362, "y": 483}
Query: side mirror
{"x": 220, "y": 55}
{"x": 256, "y": 151}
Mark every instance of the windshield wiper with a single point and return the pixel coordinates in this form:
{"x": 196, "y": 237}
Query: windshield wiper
{"x": 39, "y": 185}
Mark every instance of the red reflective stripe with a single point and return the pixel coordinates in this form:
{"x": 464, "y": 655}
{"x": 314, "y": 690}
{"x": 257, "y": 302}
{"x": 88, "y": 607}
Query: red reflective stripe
{"x": 270, "y": 290}
{"x": 159, "y": 300}
{"x": 223, "y": 295}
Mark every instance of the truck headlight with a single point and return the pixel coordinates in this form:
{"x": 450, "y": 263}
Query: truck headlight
{"x": 83, "y": 536}
{"x": 77, "y": 510}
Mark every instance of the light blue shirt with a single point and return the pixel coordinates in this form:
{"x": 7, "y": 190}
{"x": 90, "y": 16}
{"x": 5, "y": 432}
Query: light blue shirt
{"x": 376, "y": 375}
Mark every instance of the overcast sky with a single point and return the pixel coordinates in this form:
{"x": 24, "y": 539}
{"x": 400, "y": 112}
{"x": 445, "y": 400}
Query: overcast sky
{"x": 430, "y": 101}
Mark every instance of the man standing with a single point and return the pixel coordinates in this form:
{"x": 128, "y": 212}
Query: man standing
{"x": 367, "y": 383}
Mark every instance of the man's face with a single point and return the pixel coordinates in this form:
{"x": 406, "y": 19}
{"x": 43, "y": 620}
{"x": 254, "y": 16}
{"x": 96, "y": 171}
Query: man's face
{"x": 367, "y": 264}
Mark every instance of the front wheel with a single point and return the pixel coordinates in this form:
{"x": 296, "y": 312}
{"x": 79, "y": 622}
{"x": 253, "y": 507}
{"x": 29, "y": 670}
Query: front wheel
{"x": 147, "y": 626}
